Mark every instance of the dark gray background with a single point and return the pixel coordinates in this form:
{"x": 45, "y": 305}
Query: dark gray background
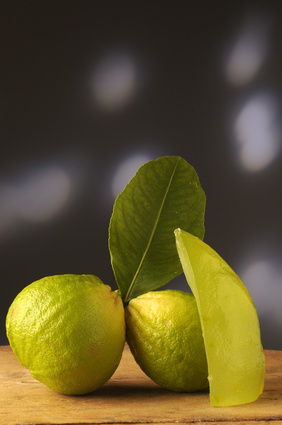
{"x": 90, "y": 88}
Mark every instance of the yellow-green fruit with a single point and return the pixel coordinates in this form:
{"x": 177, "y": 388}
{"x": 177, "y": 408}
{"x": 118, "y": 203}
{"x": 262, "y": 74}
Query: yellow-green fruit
{"x": 165, "y": 337}
{"x": 229, "y": 321}
{"x": 69, "y": 331}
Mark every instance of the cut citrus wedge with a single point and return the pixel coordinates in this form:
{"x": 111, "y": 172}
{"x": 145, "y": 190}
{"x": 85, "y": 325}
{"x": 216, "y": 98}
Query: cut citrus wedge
{"x": 229, "y": 320}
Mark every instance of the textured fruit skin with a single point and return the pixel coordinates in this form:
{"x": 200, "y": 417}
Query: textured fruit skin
{"x": 69, "y": 331}
{"x": 229, "y": 321}
{"x": 165, "y": 337}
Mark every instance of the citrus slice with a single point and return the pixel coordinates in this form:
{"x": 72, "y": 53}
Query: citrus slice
{"x": 229, "y": 320}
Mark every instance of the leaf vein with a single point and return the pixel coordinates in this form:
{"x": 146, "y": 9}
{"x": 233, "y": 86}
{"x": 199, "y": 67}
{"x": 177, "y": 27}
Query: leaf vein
{"x": 127, "y": 297}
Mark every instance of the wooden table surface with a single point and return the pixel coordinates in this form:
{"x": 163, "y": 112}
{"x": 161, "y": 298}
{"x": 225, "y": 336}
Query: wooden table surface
{"x": 129, "y": 397}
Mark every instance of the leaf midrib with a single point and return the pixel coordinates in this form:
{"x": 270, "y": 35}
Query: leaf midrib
{"x": 127, "y": 296}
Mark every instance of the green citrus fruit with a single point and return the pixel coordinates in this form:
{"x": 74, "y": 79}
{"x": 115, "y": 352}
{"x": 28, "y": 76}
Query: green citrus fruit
{"x": 69, "y": 331}
{"x": 229, "y": 321}
{"x": 165, "y": 337}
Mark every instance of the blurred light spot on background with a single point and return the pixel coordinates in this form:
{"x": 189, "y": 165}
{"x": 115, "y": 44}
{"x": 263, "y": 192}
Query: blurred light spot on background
{"x": 8, "y": 210}
{"x": 37, "y": 196}
{"x": 264, "y": 282}
{"x": 258, "y": 132}
{"x": 115, "y": 81}
{"x": 126, "y": 170}
{"x": 43, "y": 194}
{"x": 249, "y": 50}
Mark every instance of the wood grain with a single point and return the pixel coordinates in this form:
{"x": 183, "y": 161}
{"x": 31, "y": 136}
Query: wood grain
{"x": 128, "y": 397}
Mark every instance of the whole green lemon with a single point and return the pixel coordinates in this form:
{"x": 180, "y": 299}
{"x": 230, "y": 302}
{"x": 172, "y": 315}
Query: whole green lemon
{"x": 69, "y": 331}
{"x": 165, "y": 336}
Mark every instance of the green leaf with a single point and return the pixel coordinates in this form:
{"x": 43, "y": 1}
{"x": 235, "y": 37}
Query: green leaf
{"x": 163, "y": 195}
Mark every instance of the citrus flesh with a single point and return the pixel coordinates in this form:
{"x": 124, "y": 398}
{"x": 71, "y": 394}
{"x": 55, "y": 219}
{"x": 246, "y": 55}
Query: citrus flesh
{"x": 69, "y": 331}
{"x": 230, "y": 324}
{"x": 165, "y": 337}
